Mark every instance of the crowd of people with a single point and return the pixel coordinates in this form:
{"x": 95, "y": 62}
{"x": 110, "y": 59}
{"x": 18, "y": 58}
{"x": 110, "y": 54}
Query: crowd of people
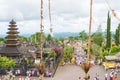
{"x": 80, "y": 57}
{"x": 112, "y": 75}
{"x": 79, "y": 54}
{"x": 11, "y": 75}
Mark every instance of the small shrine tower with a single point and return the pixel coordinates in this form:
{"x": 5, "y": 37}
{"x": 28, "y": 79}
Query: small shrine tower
{"x": 12, "y": 37}
{"x": 11, "y": 47}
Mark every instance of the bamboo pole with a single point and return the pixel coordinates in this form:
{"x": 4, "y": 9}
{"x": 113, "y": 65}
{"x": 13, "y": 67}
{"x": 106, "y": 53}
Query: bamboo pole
{"x": 87, "y": 65}
{"x": 41, "y": 66}
{"x": 41, "y": 30}
{"x": 89, "y": 34}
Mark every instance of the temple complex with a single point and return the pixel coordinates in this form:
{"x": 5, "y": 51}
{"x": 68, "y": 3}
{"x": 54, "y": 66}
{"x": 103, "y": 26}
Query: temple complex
{"x": 13, "y": 47}
{"x": 26, "y": 53}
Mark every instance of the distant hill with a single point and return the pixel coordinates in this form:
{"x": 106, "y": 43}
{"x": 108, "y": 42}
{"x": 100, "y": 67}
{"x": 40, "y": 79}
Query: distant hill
{"x": 65, "y": 34}
{"x": 2, "y": 36}
{"x": 26, "y": 35}
{"x": 56, "y": 35}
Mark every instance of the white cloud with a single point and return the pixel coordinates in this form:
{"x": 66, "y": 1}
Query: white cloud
{"x": 67, "y": 15}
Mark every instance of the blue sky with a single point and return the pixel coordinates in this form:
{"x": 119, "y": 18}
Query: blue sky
{"x": 67, "y": 15}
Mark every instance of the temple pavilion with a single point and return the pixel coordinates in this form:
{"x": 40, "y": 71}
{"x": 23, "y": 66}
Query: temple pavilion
{"x": 13, "y": 47}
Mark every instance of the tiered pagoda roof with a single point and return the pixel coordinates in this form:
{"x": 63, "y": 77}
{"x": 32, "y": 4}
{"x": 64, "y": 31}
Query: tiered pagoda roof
{"x": 12, "y": 37}
{"x": 13, "y": 47}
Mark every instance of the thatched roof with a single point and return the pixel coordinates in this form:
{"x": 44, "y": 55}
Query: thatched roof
{"x": 111, "y": 58}
{"x": 9, "y": 51}
{"x": 26, "y": 51}
{"x": 118, "y": 55}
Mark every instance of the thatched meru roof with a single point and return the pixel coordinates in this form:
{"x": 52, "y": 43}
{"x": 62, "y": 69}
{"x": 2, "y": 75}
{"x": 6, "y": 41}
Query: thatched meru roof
{"x": 10, "y": 51}
{"x": 17, "y": 51}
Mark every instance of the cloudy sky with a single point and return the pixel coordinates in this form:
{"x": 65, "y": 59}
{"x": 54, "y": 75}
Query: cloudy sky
{"x": 67, "y": 15}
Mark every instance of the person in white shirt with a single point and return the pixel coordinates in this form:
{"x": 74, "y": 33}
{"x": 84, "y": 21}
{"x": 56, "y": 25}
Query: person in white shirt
{"x": 106, "y": 76}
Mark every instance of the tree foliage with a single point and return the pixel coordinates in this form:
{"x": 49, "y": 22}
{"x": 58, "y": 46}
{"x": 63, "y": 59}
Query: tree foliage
{"x": 108, "y": 43}
{"x": 49, "y": 38}
{"x": 83, "y": 35}
{"x": 115, "y": 49}
{"x": 7, "y": 62}
{"x": 23, "y": 38}
{"x": 68, "y": 53}
{"x": 35, "y": 38}
{"x": 117, "y": 35}
{"x": 52, "y": 53}
{"x": 98, "y": 38}
{"x": 2, "y": 40}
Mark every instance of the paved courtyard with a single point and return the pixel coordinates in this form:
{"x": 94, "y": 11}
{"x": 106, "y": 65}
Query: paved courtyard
{"x": 72, "y": 72}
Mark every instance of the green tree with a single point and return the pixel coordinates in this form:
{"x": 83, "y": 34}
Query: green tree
{"x": 68, "y": 53}
{"x": 98, "y": 36}
{"x": 119, "y": 33}
{"x": 83, "y": 35}
{"x": 61, "y": 40}
{"x": 35, "y": 38}
{"x": 23, "y": 38}
{"x": 7, "y": 62}
{"x": 115, "y": 50}
{"x": 71, "y": 38}
{"x": 49, "y": 38}
{"x": 53, "y": 54}
{"x": 117, "y": 37}
{"x": 96, "y": 49}
{"x": 2, "y": 40}
{"x": 108, "y": 43}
